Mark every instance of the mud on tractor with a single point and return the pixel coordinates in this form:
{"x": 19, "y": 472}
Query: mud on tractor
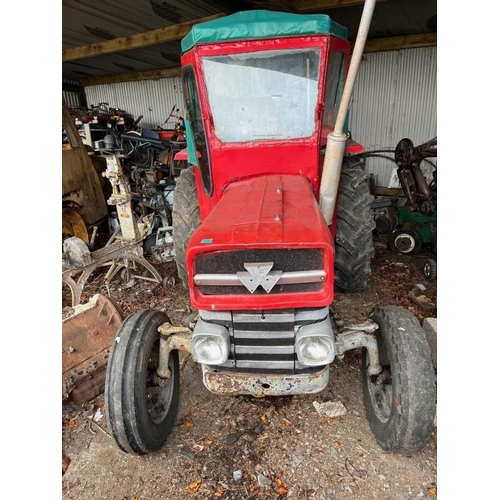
{"x": 269, "y": 219}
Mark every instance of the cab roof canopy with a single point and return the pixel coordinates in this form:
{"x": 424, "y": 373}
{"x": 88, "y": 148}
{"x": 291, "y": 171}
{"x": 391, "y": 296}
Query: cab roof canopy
{"x": 258, "y": 24}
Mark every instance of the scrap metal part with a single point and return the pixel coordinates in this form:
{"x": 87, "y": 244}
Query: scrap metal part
{"x": 117, "y": 256}
{"x": 421, "y": 196}
{"x": 120, "y": 252}
{"x": 221, "y": 382}
{"x": 87, "y": 336}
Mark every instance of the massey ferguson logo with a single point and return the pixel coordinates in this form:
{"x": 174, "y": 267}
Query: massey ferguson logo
{"x": 259, "y": 274}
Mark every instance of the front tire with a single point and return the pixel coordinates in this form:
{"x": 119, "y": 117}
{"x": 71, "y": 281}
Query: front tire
{"x": 400, "y": 403}
{"x": 354, "y": 231}
{"x": 139, "y": 412}
{"x": 185, "y": 218}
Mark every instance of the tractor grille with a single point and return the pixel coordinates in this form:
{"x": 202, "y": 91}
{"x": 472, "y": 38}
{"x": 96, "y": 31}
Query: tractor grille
{"x": 264, "y": 341}
{"x": 302, "y": 270}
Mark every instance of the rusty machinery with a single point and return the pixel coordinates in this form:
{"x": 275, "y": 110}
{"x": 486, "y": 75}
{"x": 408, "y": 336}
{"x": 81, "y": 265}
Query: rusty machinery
{"x": 122, "y": 253}
{"x": 83, "y": 201}
{"x": 417, "y": 220}
{"x": 421, "y": 195}
{"x": 88, "y": 332}
{"x": 413, "y": 224}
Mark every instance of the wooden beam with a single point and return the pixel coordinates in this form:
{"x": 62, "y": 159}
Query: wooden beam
{"x": 153, "y": 74}
{"x": 401, "y": 42}
{"x": 320, "y": 5}
{"x": 137, "y": 41}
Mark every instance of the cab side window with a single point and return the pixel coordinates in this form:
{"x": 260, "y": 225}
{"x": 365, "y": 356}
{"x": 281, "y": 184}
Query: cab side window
{"x": 196, "y": 128}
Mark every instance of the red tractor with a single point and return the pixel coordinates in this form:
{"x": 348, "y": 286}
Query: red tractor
{"x": 271, "y": 216}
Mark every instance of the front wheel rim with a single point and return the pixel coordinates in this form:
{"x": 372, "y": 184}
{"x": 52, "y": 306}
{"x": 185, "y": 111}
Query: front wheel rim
{"x": 380, "y": 393}
{"x": 158, "y": 398}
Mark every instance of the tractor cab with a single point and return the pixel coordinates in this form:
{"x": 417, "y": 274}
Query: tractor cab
{"x": 262, "y": 91}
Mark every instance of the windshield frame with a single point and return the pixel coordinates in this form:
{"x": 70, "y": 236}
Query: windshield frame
{"x": 318, "y": 42}
{"x": 263, "y": 95}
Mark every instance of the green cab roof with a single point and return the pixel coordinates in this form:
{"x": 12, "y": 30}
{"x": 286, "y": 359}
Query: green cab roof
{"x": 258, "y": 24}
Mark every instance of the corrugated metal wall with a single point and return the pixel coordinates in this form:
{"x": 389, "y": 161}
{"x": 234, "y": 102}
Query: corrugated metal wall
{"x": 395, "y": 96}
{"x": 153, "y": 99}
{"x": 72, "y": 98}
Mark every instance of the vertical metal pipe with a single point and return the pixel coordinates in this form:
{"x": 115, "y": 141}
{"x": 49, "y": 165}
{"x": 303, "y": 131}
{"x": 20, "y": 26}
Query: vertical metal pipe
{"x": 336, "y": 140}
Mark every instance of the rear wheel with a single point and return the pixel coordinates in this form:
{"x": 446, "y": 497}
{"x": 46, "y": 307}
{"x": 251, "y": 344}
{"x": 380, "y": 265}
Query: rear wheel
{"x": 185, "y": 218}
{"x": 140, "y": 412}
{"x": 354, "y": 232}
{"x": 400, "y": 402}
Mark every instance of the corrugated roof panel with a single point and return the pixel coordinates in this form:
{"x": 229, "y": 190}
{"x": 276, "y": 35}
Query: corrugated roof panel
{"x": 165, "y": 55}
{"x": 93, "y": 21}
{"x": 390, "y": 18}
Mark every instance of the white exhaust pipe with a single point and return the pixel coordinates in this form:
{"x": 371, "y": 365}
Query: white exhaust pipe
{"x": 336, "y": 140}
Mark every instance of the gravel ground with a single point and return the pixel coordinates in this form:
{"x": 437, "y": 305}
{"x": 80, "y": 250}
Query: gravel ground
{"x": 243, "y": 447}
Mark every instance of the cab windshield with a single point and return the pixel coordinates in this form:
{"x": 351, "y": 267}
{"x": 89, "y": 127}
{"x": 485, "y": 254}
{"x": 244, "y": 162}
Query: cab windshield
{"x": 267, "y": 95}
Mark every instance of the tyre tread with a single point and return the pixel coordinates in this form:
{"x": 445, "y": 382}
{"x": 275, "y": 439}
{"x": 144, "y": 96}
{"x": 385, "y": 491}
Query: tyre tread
{"x": 412, "y": 420}
{"x": 124, "y": 414}
{"x": 185, "y": 218}
{"x": 354, "y": 230}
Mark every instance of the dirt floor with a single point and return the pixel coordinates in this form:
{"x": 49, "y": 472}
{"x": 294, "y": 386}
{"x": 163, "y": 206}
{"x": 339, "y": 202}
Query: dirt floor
{"x": 242, "y": 447}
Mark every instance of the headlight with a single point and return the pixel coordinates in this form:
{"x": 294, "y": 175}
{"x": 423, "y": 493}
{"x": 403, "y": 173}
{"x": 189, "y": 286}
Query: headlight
{"x": 315, "y": 344}
{"x": 210, "y": 350}
{"x": 210, "y": 343}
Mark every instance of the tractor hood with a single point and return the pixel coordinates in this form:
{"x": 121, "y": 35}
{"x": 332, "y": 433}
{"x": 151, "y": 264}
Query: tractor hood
{"x": 270, "y": 219}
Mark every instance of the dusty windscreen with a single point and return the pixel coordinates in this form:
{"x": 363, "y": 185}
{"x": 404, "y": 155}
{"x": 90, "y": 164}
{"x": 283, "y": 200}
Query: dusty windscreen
{"x": 264, "y": 95}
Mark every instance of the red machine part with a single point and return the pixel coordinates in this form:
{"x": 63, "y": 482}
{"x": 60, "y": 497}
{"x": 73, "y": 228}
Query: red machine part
{"x": 265, "y": 212}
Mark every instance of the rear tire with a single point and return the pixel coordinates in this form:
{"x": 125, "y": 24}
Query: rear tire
{"x": 354, "y": 232}
{"x": 401, "y": 403}
{"x": 139, "y": 412}
{"x": 185, "y": 218}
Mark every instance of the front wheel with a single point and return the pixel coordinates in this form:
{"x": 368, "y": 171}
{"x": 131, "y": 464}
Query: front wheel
{"x": 140, "y": 412}
{"x": 400, "y": 402}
